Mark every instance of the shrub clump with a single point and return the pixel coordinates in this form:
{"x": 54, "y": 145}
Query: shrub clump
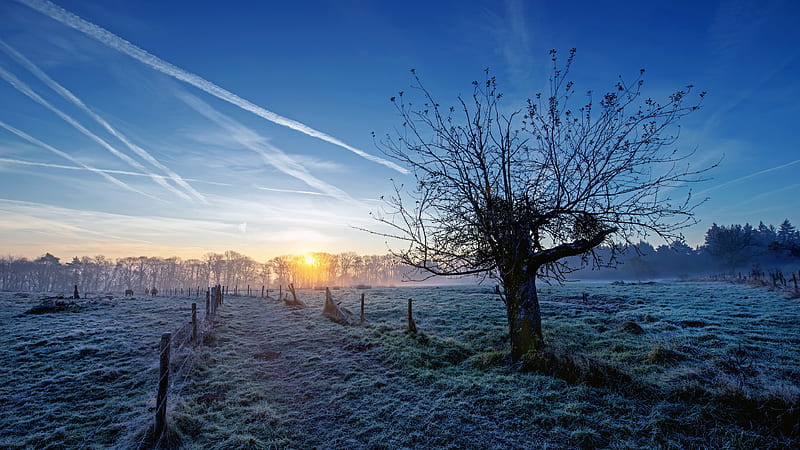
{"x": 54, "y": 305}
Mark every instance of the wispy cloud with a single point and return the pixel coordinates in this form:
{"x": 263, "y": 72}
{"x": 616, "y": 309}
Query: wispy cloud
{"x": 793, "y": 187}
{"x": 515, "y": 41}
{"x": 65, "y": 93}
{"x": 125, "y": 226}
{"x": 69, "y": 157}
{"x": 743, "y": 94}
{"x": 268, "y": 152}
{"x": 110, "y": 171}
{"x": 300, "y": 234}
{"x": 27, "y": 225}
{"x": 733, "y": 40}
{"x": 506, "y": 23}
{"x": 25, "y": 89}
{"x": 747, "y": 177}
{"x": 104, "y": 36}
{"x": 756, "y": 198}
{"x": 283, "y": 214}
{"x": 42, "y": 218}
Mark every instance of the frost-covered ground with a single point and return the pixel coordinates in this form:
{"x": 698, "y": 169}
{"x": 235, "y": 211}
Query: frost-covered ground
{"x": 665, "y": 365}
{"x": 82, "y": 377}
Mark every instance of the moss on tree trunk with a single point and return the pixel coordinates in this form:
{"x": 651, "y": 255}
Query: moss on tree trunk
{"x": 524, "y": 318}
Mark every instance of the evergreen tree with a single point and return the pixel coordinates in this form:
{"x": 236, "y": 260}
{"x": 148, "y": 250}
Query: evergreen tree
{"x": 732, "y": 245}
{"x": 787, "y": 234}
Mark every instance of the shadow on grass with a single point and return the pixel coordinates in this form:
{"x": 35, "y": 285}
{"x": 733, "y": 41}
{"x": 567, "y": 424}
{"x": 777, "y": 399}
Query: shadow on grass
{"x": 574, "y": 368}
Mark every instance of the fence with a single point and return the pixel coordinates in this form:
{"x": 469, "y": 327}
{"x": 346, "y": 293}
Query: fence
{"x": 773, "y": 279}
{"x": 180, "y": 344}
{"x": 177, "y": 349}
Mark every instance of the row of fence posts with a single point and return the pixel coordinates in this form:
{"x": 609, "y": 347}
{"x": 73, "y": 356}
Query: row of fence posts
{"x": 777, "y": 278}
{"x": 214, "y": 299}
{"x": 188, "y": 291}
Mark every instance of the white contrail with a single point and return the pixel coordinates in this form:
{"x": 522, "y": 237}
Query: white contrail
{"x": 269, "y": 153}
{"x": 113, "y": 171}
{"x": 747, "y": 177}
{"x": 25, "y": 89}
{"x": 108, "y": 38}
{"x": 66, "y": 156}
{"x": 291, "y": 191}
{"x": 65, "y": 93}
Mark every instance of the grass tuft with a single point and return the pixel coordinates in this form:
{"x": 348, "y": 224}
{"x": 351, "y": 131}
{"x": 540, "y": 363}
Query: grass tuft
{"x": 632, "y": 328}
{"x": 486, "y": 360}
{"x": 661, "y": 355}
{"x": 588, "y": 438}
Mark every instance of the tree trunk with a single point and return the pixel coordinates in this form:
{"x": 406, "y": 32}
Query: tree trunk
{"x": 524, "y": 318}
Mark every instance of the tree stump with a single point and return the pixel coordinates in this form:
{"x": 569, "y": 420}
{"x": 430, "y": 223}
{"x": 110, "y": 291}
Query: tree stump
{"x": 332, "y": 311}
{"x": 294, "y": 301}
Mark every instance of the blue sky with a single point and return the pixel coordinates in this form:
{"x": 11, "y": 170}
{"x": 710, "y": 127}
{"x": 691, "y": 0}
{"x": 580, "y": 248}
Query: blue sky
{"x": 267, "y": 148}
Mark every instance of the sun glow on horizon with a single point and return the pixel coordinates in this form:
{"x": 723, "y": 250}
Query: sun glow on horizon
{"x": 309, "y": 259}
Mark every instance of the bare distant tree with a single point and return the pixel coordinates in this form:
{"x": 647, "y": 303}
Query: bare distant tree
{"x": 513, "y": 194}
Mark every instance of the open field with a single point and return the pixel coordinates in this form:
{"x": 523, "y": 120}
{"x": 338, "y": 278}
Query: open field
{"x": 80, "y": 377}
{"x": 671, "y": 365}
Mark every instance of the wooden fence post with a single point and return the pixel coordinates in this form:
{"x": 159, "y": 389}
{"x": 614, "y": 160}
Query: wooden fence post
{"x": 215, "y": 298}
{"x": 208, "y": 304}
{"x": 163, "y": 383}
{"x": 362, "y": 308}
{"x": 194, "y": 323}
{"x": 262, "y": 291}
{"x": 412, "y": 327}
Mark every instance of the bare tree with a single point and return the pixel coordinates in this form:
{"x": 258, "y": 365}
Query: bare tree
{"x": 512, "y": 194}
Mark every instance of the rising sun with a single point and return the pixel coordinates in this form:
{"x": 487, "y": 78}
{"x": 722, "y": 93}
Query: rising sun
{"x": 309, "y": 259}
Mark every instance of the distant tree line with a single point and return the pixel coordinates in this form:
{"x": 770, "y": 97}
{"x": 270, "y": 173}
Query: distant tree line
{"x": 729, "y": 249}
{"x": 726, "y": 249}
{"x": 100, "y": 274}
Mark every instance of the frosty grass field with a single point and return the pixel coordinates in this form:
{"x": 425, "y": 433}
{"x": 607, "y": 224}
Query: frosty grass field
{"x": 663, "y": 365}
